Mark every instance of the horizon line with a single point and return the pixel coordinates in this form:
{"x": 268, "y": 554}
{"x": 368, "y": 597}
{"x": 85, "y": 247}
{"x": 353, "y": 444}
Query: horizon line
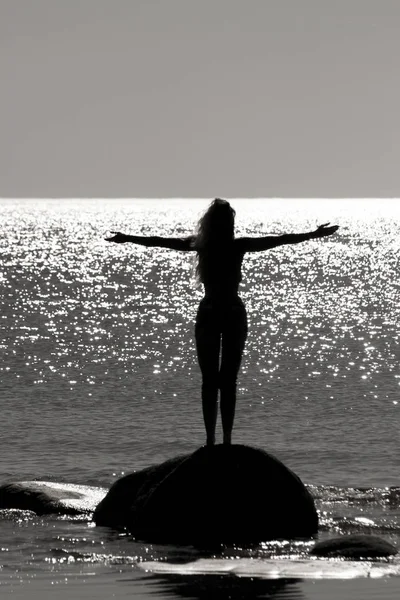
{"x": 243, "y": 198}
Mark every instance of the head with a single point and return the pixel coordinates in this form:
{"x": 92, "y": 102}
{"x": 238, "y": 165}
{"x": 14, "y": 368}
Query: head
{"x": 215, "y": 230}
{"x": 217, "y": 224}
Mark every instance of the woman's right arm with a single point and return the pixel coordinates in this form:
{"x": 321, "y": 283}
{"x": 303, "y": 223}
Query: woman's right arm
{"x": 272, "y": 241}
{"x": 185, "y": 244}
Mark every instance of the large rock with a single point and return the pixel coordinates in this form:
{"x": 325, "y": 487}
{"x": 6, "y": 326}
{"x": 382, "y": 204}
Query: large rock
{"x": 219, "y": 494}
{"x": 356, "y": 546}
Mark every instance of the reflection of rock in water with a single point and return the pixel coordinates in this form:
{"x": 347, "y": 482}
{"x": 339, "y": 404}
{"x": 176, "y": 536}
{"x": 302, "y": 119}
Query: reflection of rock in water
{"x": 222, "y": 494}
{"x": 217, "y": 587}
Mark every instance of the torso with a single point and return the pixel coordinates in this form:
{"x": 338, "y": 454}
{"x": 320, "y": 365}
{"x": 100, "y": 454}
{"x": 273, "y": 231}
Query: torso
{"x": 222, "y": 281}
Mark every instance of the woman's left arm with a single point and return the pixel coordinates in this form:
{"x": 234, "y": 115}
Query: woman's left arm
{"x": 184, "y": 244}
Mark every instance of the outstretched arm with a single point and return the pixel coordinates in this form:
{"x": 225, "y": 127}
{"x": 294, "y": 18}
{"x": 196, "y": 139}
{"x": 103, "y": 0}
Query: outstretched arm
{"x": 184, "y": 244}
{"x": 272, "y": 241}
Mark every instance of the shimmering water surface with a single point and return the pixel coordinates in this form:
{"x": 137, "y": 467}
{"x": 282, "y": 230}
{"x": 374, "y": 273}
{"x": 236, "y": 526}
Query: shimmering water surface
{"x": 99, "y": 374}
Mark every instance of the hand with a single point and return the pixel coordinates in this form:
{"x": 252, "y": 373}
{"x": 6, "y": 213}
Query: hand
{"x": 118, "y": 238}
{"x": 324, "y": 230}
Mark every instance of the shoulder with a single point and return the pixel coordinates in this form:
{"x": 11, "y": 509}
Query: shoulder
{"x": 186, "y": 243}
{"x": 239, "y": 245}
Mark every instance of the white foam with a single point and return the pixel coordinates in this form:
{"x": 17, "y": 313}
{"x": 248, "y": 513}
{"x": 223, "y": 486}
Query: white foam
{"x": 277, "y": 568}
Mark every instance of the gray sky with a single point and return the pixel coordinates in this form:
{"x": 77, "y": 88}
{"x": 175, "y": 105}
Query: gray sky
{"x": 161, "y": 98}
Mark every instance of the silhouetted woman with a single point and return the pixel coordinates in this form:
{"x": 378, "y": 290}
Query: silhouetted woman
{"x": 221, "y": 322}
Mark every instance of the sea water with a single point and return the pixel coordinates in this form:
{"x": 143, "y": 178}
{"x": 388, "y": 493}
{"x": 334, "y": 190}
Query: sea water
{"x": 98, "y": 378}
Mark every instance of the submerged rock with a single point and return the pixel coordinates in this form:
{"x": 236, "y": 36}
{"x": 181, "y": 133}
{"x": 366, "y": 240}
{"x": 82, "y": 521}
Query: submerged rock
{"x": 219, "y": 494}
{"x": 46, "y": 497}
{"x": 354, "y": 546}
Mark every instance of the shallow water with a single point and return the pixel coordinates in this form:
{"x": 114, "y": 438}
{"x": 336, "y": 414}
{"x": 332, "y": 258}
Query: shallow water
{"x": 99, "y": 374}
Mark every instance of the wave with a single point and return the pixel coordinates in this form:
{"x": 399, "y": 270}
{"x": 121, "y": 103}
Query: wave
{"x": 387, "y": 496}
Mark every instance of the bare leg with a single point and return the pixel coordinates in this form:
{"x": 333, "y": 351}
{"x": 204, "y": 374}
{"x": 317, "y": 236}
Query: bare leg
{"x": 208, "y": 348}
{"x": 228, "y": 405}
{"x": 233, "y": 340}
{"x": 209, "y": 397}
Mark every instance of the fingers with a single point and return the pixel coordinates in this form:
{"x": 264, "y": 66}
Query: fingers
{"x": 325, "y": 231}
{"x": 114, "y": 238}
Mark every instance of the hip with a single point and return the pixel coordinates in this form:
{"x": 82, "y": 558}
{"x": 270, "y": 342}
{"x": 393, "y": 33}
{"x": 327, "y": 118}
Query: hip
{"x": 221, "y": 312}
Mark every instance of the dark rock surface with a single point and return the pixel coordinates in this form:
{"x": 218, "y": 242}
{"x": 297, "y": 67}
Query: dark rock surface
{"x": 222, "y": 494}
{"x": 357, "y": 546}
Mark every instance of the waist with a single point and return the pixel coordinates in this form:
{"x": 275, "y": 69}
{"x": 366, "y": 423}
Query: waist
{"x": 221, "y": 301}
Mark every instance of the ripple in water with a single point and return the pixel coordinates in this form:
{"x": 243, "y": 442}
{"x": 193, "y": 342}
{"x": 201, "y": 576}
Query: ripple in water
{"x": 96, "y": 333}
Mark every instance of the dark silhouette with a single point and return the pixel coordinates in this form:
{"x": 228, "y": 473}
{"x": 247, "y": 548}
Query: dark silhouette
{"x": 221, "y": 323}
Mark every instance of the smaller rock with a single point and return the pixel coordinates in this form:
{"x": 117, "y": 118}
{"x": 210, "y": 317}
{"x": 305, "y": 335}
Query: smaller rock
{"x": 357, "y": 546}
{"x": 48, "y": 497}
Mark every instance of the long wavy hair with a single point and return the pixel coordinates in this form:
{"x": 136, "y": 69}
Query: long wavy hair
{"x": 215, "y": 231}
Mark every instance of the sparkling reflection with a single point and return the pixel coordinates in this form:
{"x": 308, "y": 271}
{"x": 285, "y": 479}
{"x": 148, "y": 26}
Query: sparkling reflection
{"x": 83, "y": 321}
